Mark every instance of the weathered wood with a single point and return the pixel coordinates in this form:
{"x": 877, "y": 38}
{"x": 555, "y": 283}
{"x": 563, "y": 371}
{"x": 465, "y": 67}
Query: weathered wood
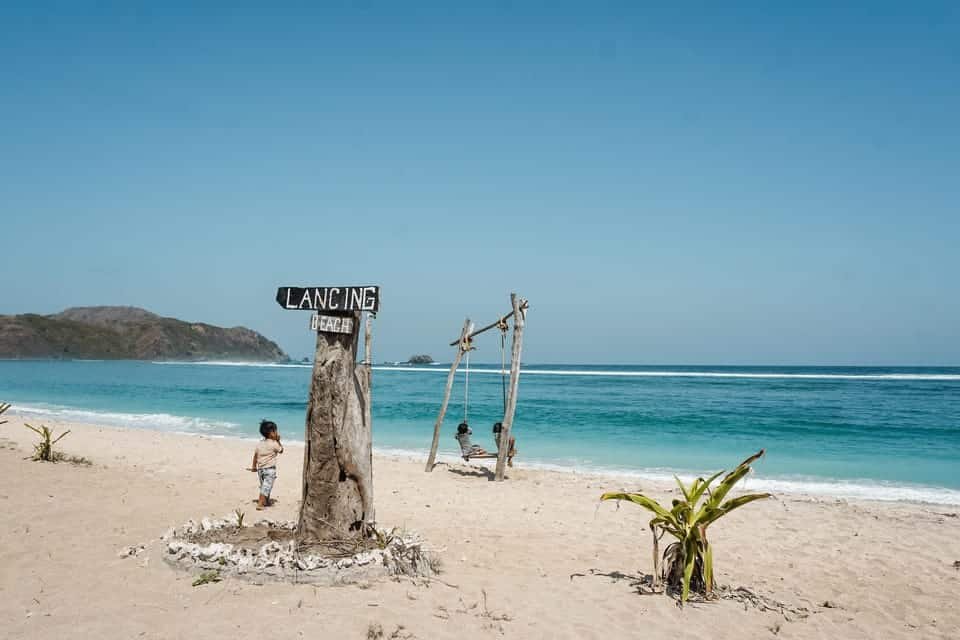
{"x": 337, "y": 498}
{"x": 519, "y": 320}
{"x": 482, "y": 329}
{"x": 331, "y": 324}
{"x": 330, "y": 298}
{"x": 367, "y": 336}
{"x": 462, "y": 346}
{"x": 368, "y": 405}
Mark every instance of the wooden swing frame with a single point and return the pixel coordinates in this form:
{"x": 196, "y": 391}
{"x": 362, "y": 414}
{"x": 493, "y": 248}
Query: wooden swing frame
{"x": 463, "y": 344}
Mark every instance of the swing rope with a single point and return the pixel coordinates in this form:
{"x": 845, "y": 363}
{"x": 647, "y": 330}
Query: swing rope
{"x": 466, "y": 384}
{"x": 503, "y": 361}
{"x": 467, "y": 348}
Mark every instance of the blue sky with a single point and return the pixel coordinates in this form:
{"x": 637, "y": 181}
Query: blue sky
{"x": 696, "y": 184}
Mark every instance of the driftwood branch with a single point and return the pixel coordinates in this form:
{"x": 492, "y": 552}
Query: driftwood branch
{"x": 367, "y": 337}
{"x": 519, "y": 320}
{"x": 462, "y": 345}
{"x": 486, "y": 328}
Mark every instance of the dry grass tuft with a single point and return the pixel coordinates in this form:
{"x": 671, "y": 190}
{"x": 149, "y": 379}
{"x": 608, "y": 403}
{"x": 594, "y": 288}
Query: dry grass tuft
{"x": 207, "y": 577}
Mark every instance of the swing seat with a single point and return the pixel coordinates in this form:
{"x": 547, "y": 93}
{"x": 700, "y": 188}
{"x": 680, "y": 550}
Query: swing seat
{"x": 480, "y": 456}
{"x": 490, "y": 456}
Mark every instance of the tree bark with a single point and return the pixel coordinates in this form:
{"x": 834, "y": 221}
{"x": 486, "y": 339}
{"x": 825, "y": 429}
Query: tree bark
{"x": 432, "y": 458}
{"x": 337, "y": 461}
{"x": 519, "y": 320}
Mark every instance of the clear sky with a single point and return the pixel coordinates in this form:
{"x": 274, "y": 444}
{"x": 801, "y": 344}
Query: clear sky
{"x": 705, "y": 183}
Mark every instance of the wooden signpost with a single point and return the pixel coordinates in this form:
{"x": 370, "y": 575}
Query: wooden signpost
{"x": 331, "y": 324}
{"x": 337, "y": 501}
{"x": 330, "y": 298}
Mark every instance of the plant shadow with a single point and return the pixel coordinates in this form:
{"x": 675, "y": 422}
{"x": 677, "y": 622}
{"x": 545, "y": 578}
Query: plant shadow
{"x": 642, "y": 583}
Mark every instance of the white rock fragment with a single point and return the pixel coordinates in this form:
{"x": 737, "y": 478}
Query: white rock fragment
{"x": 366, "y": 558}
{"x": 131, "y": 551}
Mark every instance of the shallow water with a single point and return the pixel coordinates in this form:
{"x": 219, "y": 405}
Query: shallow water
{"x": 888, "y": 433}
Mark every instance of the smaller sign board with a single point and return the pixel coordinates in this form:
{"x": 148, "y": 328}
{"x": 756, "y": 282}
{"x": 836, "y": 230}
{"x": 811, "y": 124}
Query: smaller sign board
{"x": 331, "y": 324}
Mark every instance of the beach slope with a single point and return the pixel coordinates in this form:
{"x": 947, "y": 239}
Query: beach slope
{"x": 534, "y": 557}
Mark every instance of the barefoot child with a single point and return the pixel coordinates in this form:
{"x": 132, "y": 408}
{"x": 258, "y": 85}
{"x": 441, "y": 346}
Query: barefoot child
{"x": 265, "y": 461}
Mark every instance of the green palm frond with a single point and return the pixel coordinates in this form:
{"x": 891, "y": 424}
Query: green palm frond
{"x": 704, "y": 484}
{"x": 683, "y": 489}
{"x": 732, "y": 478}
{"x": 638, "y": 498}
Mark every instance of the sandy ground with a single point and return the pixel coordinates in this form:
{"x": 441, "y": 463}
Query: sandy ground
{"x": 552, "y": 563}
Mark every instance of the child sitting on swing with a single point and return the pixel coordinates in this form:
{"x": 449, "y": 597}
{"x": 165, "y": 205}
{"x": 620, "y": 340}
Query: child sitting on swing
{"x": 467, "y": 448}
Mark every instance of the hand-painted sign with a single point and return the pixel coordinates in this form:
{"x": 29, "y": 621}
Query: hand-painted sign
{"x": 331, "y": 324}
{"x": 330, "y": 298}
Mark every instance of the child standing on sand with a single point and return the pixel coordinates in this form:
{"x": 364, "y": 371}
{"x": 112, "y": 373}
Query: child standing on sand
{"x": 265, "y": 461}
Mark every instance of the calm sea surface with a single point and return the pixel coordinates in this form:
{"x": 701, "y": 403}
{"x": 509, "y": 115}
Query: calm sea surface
{"x": 886, "y": 433}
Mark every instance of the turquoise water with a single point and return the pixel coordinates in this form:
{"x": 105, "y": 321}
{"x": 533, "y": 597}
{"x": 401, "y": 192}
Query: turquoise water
{"x": 886, "y": 433}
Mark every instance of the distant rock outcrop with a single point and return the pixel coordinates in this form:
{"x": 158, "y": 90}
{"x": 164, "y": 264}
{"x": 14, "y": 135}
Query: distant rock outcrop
{"x": 119, "y": 333}
{"x": 420, "y": 359}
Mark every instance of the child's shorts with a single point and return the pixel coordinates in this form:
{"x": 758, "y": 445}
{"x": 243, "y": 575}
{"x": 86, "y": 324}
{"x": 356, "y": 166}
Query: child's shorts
{"x": 266, "y": 477}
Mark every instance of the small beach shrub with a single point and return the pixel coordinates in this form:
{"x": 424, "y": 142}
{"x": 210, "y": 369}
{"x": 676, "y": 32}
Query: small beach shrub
{"x": 207, "y": 577}
{"x": 384, "y": 538}
{"x": 239, "y": 515}
{"x": 43, "y": 450}
{"x": 688, "y": 562}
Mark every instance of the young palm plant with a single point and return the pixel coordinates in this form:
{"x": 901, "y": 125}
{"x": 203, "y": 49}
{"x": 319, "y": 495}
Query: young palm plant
{"x": 43, "y": 450}
{"x": 688, "y": 562}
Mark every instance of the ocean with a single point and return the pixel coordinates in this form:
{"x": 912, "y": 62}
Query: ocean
{"x": 853, "y": 432}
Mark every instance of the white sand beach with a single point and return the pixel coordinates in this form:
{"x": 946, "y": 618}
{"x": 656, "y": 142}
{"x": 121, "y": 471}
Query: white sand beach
{"x": 534, "y": 557}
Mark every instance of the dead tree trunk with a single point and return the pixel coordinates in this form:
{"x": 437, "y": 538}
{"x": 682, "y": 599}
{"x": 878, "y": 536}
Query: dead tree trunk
{"x": 337, "y": 460}
{"x": 368, "y": 508}
{"x": 519, "y": 320}
{"x": 432, "y": 459}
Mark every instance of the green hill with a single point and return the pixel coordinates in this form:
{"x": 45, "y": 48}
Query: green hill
{"x": 129, "y": 333}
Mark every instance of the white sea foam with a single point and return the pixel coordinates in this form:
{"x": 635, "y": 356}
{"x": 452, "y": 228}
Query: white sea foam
{"x": 706, "y": 374}
{"x": 816, "y": 487}
{"x": 852, "y": 489}
{"x": 155, "y": 421}
{"x": 650, "y": 373}
{"x": 226, "y": 363}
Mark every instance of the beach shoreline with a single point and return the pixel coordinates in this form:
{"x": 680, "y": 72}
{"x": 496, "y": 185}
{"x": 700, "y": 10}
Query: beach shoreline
{"x": 545, "y": 555}
{"x": 854, "y": 489}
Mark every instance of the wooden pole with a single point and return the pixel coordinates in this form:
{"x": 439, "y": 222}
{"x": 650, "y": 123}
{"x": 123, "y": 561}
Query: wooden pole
{"x": 367, "y": 333}
{"x": 462, "y": 346}
{"x": 519, "y": 320}
{"x": 482, "y": 329}
{"x": 337, "y": 467}
{"x": 367, "y": 394}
